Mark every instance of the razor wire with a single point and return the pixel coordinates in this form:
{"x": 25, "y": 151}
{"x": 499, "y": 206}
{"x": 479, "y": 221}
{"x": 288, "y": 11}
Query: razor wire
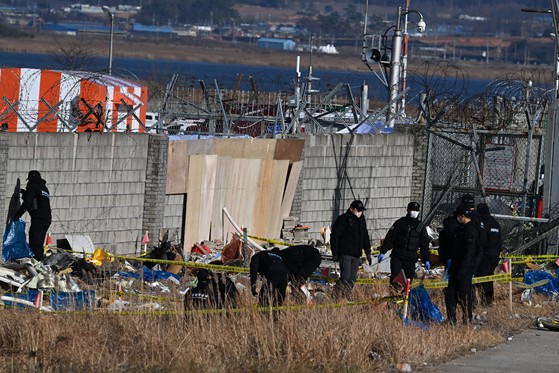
{"x": 492, "y": 145}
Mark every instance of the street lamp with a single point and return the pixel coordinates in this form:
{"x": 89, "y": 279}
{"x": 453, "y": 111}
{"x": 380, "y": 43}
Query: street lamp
{"x": 107, "y": 10}
{"x": 396, "y": 61}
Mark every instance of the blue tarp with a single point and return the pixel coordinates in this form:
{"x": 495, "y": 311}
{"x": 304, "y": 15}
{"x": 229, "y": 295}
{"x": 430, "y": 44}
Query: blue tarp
{"x": 150, "y": 275}
{"x": 531, "y": 277}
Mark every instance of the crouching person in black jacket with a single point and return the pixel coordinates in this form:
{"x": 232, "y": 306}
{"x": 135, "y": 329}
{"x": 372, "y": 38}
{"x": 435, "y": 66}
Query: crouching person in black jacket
{"x": 301, "y": 261}
{"x": 271, "y": 267}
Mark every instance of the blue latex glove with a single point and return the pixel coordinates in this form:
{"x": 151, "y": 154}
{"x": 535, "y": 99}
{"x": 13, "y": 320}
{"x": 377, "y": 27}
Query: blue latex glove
{"x": 427, "y": 265}
{"x": 380, "y": 257}
{"x": 448, "y": 263}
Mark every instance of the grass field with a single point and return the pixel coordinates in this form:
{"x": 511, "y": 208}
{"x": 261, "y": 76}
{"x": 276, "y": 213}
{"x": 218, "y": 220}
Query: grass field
{"x": 312, "y": 339}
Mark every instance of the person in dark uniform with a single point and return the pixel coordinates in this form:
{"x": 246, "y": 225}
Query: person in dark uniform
{"x": 36, "y": 201}
{"x": 491, "y": 252}
{"x": 462, "y": 267}
{"x": 301, "y": 261}
{"x": 271, "y": 267}
{"x": 406, "y": 236}
{"x": 447, "y": 238}
{"x": 348, "y": 239}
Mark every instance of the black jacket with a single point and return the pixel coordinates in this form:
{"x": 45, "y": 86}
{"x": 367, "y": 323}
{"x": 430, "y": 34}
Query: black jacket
{"x": 494, "y": 239}
{"x": 36, "y": 201}
{"x": 466, "y": 253}
{"x": 270, "y": 266}
{"x": 349, "y": 236}
{"x": 405, "y": 237}
{"x": 447, "y": 238}
{"x": 301, "y": 260}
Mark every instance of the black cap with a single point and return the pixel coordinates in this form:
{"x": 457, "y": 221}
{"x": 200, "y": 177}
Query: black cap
{"x": 413, "y": 206}
{"x": 464, "y": 209}
{"x": 33, "y": 174}
{"x": 468, "y": 199}
{"x": 358, "y": 205}
{"x": 483, "y": 209}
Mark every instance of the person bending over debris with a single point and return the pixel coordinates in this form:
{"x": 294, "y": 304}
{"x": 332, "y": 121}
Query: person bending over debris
{"x": 348, "y": 239}
{"x": 301, "y": 261}
{"x": 36, "y": 201}
{"x": 275, "y": 273}
{"x": 211, "y": 291}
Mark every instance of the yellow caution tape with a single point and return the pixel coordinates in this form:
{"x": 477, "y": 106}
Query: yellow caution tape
{"x": 269, "y": 240}
{"x": 523, "y": 285}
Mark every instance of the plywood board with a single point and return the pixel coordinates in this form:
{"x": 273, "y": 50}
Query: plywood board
{"x": 223, "y": 171}
{"x": 207, "y": 196}
{"x": 267, "y": 211}
{"x": 247, "y": 201}
{"x": 202, "y": 146}
{"x": 289, "y": 149}
{"x": 177, "y": 167}
{"x": 279, "y": 179}
{"x": 246, "y": 148}
{"x": 262, "y": 211}
{"x": 201, "y": 183}
{"x": 290, "y": 189}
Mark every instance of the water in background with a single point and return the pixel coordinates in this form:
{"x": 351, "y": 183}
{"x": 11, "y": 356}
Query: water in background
{"x": 267, "y": 78}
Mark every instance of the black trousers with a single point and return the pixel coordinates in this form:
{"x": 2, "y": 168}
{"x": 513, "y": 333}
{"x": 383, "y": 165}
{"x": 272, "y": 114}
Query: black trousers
{"x": 396, "y": 266}
{"x": 37, "y": 232}
{"x": 272, "y": 292}
{"x": 459, "y": 292}
{"x": 487, "y": 267}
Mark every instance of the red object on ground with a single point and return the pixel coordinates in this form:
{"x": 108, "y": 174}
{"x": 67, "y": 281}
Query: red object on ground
{"x": 49, "y": 239}
{"x": 145, "y": 240}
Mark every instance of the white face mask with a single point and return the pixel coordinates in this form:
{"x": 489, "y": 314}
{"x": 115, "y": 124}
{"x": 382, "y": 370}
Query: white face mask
{"x": 414, "y": 214}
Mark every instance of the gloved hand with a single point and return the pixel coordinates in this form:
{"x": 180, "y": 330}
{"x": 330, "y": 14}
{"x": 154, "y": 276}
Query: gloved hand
{"x": 335, "y": 258}
{"x": 254, "y": 290}
{"x": 427, "y": 265}
{"x": 448, "y": 263}
{"x": 380, "y": 257}
{"x": 369, "y": 259}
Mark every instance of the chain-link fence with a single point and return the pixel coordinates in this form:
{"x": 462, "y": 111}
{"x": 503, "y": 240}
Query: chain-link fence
{"x": 493, "y": 147}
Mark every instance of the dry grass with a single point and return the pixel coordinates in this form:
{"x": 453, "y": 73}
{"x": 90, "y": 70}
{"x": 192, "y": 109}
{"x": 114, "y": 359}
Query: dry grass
{"x": 314, "y": 339}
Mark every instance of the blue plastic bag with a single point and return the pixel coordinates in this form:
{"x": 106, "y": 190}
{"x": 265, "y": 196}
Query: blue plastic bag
{"x": 14, "y": 245}
{"x": 422, "y": 308}
{"x": 67, "y": 301}
{"x": 531, "y": 277}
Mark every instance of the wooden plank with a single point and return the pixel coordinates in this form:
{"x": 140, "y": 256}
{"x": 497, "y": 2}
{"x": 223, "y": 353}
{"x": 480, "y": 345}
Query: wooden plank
{"x": 231, "y": 192}
{"x": 279, "y": 180}
{"x": 221, "y": 189}
{"x": 207, "y": 195}
{"x": 250, "y": 184}
{"x": 177, "y": 167}
{"x": 290, "y": 149}
{"x": 246, "y": 148}
{"x": 262, "y": 210}
{"x": 199, "y": 198}
{"x": 290, "y": 189}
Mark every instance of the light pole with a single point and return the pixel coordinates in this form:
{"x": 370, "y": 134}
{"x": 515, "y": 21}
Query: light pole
{"x": 107, "y": 10}
{"x": 396, "y": 62}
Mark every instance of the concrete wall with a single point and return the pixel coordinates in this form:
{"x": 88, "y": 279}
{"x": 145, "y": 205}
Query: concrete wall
{"x": 97, "y": 183}
{"x": 378, "y": 169}
{"x": 112, "y": 186}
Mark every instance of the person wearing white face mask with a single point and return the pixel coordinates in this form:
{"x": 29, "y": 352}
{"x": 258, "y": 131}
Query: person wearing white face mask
{"x": 348, "y": 239}
{"x": 406, "y": 236}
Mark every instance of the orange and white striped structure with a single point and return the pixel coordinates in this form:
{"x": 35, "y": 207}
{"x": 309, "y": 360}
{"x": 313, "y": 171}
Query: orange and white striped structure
{"x": 65, "y": 101}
